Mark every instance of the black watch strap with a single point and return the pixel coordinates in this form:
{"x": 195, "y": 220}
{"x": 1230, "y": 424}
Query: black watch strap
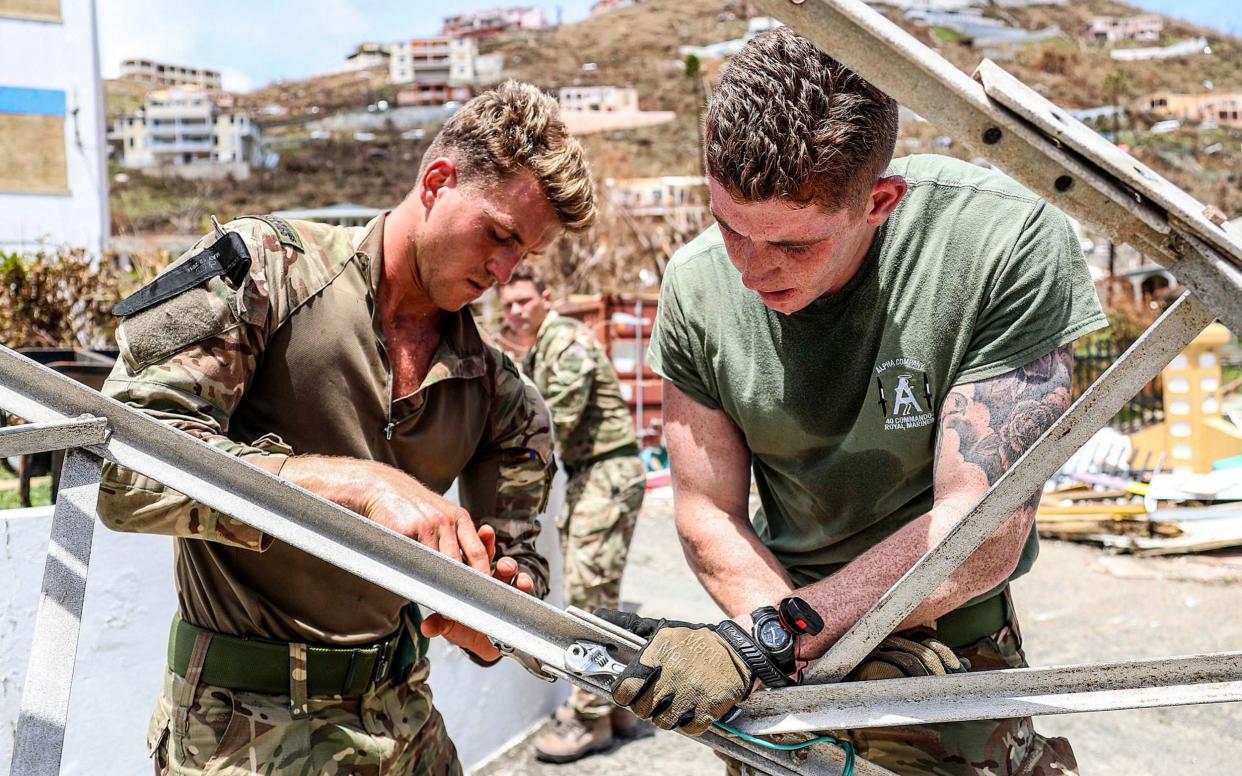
{"x": 746, "y": 648}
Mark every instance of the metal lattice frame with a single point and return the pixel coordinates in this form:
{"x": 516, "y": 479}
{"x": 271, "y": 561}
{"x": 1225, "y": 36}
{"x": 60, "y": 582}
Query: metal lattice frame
{"x": 1014, "y": 128}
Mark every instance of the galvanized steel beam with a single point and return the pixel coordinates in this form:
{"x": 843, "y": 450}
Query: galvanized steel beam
{"x": 1019, "y": 692}
{"x": 1027, "y": 137}
{"x": 282, "y": 510}
{"x": 1167, "y": 337}
{"x": 40, "y": 735}
{"x": 44, "y": 437}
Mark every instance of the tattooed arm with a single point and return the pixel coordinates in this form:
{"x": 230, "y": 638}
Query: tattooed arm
{"x": 983, "y": 428}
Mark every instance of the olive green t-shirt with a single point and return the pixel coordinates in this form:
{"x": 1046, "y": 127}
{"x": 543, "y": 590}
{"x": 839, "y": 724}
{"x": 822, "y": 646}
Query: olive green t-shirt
{"x": 972, "y": 276}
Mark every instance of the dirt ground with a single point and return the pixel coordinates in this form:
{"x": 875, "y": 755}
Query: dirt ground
{"x": 1078, "y": 605}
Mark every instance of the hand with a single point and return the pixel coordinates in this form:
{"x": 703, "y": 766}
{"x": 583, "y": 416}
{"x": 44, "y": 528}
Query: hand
{"x": 686, "y": 677}
{"x": 468, "y": 638}
{"x": 405, "y": 505}
{"x": 914, "y": 652}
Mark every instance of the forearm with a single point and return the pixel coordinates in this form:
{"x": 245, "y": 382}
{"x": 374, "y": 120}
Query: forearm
{"x": 730, "y": 562}
{"x": 847, "y": 595}
{"x": 132, "y": 503}
{"x": 349, "y": 482}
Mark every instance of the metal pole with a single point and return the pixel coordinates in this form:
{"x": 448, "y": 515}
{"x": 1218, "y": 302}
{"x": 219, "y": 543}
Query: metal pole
{"x": 40, "y": 736}
{"x": 1018, "y": 692}
{"x": 535, "y": 630}
{"x": 1029, "y": 138}
{"x": 1167, "y": 337}
{"x": 43, "y": 437}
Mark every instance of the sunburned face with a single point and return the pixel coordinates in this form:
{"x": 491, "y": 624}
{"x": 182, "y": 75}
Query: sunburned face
{"x": 525, "y": 307}
{"x": 792, "y": 255}
{"x": 474, "y": 238}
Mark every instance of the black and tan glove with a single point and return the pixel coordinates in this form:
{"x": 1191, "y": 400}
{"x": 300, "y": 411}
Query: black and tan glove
{"x": 686, "y": 677}
{"x": 915, "y": 652}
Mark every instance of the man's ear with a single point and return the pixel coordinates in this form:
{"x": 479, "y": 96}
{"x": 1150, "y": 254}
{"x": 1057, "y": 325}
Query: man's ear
{"x": 885, "y": 195}
{"x": 441, "y": 173}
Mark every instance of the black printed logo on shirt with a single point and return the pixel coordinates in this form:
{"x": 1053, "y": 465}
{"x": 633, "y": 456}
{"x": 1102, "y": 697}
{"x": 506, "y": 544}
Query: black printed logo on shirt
{"x": 906, "y": 397}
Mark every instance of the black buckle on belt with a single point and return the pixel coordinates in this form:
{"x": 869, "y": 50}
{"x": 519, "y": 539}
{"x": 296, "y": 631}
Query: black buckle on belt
{"x": 383, "y": 659}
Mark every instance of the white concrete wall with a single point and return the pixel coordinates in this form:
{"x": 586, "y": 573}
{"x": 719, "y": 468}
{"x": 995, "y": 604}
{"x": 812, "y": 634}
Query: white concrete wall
{"x": 129, "y": 603}
{"x": 61, "y": 56}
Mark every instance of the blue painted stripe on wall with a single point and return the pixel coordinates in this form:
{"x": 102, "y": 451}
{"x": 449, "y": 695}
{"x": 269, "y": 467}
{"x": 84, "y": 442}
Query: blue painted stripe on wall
{"x": 32, "y": 102}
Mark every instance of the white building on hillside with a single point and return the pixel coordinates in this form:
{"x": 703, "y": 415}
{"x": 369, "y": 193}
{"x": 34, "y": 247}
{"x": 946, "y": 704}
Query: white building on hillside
{"x": 157, "y": 74}
{"x": 440, "y": 60}
{"x": 598, "y": 99}
{"x": 368, "y": 55}
{"x": 1111, "y": 29}
{"x": 184, "y": 132}
{"x": 53, "y": 174}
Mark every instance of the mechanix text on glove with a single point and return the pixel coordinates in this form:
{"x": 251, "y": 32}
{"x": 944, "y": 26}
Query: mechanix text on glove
{"x": 686, "y": 677}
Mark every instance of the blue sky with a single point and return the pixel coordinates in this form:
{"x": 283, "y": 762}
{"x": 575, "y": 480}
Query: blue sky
{"x": 254, "y": 43}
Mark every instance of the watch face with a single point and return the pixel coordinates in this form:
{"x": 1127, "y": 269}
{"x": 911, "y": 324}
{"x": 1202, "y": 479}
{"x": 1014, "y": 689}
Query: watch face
{"x": 773, "y": 636}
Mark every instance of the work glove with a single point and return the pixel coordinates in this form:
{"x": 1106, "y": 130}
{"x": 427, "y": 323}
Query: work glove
{"x": 687, "y": 676}
{"x": 914, "y": 652}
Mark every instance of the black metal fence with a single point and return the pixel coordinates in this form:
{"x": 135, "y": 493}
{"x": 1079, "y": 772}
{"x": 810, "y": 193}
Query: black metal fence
{"x": 1091, "y": 358}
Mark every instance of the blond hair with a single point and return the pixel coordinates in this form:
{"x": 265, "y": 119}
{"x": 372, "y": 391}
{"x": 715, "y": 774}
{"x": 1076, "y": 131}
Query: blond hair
{"x": 516, "y": 127}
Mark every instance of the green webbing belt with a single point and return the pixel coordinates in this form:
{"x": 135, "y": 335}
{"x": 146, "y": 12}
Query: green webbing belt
{"x": 261, "y": 665}
{"x": 966, "y": 625}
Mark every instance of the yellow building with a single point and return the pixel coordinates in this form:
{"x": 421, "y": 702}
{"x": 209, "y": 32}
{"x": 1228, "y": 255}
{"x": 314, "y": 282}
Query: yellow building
{"x": 1223, "y": 108}
{"x": 1194, "y": 433}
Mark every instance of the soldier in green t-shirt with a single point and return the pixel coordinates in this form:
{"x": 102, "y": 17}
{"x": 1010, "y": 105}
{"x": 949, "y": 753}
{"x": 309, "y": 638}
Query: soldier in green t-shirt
{"x": 877, "y": 341}
{"x": 596, "y": 441}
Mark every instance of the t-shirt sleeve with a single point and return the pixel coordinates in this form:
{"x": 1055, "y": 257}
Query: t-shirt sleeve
{"x": 676, "y": 351}
{"x": 1041, "y": 298}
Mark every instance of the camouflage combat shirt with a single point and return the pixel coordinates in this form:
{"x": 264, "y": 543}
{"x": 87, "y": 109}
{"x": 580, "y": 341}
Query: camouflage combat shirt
{"x": 294, "y": 362}
{"x": 577, "y": 380}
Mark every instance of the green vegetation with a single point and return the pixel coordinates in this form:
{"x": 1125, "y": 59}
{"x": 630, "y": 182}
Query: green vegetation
{"x": 40, "y": 491}
{"x": 946, "y": 35}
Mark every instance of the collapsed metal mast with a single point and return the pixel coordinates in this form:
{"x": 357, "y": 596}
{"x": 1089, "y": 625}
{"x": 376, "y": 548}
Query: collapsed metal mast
{"x": 1011, "y": 126}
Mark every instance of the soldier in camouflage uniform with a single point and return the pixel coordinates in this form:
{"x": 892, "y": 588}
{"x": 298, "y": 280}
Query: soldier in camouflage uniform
{"x": 345, "y": 360}
{"x": 596, "y": 441}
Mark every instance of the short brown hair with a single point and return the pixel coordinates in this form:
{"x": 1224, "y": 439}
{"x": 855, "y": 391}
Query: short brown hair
{"x": 790, "y": 122}
{"x": 528, "y": 274}
{"x": 517, "y": 127}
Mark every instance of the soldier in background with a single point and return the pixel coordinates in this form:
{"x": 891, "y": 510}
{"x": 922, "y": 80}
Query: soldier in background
{"x": 346, "y": 361}
{"x": 595, "y": 436}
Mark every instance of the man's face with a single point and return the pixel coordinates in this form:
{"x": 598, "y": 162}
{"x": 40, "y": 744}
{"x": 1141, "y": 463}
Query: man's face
{"x": 473, "y": 238}
{"x": 790, "y": 255}
{"x": 525, "y": 307}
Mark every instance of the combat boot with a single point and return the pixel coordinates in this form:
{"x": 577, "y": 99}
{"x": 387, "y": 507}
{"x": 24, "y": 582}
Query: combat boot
{"x": 625, "y": 724}
{"x": 573, "y": 738}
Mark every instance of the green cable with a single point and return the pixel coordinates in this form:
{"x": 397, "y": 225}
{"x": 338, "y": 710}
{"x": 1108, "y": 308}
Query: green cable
{"x": 848, "y": 748}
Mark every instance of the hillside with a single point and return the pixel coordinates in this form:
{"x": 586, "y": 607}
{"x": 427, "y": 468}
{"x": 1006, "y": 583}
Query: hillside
{"x": 1069, "y": 69}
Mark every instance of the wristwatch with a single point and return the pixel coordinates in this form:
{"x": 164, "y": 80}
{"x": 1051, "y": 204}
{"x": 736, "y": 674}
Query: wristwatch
{"x": 774, "y": 629}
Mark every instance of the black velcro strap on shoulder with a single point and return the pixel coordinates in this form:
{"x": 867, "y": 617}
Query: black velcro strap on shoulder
{"x": 227, "y": 256}
{"x": 746, "y": 648}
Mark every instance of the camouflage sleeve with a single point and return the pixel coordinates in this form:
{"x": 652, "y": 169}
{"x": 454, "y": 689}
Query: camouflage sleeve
{"x": 565, "y": 373}
{"x": 187, "y": 362}
{"x": 506, "y": 483}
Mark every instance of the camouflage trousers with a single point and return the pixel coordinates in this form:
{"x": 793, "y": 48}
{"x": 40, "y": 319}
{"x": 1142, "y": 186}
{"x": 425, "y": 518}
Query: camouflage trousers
{"x": 1003, "y": 747}
{"x": 392, "y": 728}
{"x": 602, "y": 502}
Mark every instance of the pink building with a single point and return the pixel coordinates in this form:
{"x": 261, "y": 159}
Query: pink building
{"x": 494, "y": 20}
{"x": 432, "y": 93}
